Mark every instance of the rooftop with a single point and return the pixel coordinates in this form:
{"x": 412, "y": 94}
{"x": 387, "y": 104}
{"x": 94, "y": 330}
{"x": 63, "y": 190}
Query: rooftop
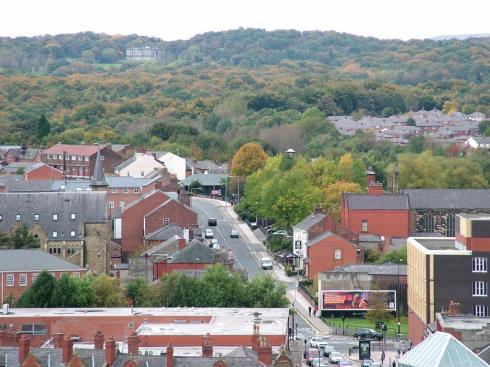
{"x": 463, "y": 322}
{"x": 206, "y": 179}
{"x": 374, "y": 269}
{"x": 82, "y": 149}
{"x": 33, "y": 260}
{"x": 377, "y": 202}
{"x": 437, "y": 245}
{"x": 448, "y": 198}
{"x": 310, "y": 220}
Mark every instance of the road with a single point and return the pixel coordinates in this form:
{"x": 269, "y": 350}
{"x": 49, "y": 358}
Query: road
{"x": 242, "y": 251}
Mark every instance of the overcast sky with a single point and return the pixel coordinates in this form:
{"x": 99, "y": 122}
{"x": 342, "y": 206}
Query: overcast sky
{"x": 182, "y": 19}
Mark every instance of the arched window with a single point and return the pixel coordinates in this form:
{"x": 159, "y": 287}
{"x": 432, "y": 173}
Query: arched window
{"x": 429, "y": 223}
{"x": 450, "y": 225}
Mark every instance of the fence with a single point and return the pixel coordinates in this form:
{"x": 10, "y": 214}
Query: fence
{"x": 350, "y": 330}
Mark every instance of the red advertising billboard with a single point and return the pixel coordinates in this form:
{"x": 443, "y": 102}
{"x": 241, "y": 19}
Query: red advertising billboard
{"x": 342, "y": 300}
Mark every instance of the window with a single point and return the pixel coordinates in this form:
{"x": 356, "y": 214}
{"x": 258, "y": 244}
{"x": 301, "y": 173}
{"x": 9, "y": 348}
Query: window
{"x": 479, "y": 265}
{"x": 101, "y": 157}
{"x": 142, "y": 173}
{"x": 55, "y": 156}
{"x": 111, "y": 205}
{"x": 479, "y": 288}
{"x": 338, "y": 254}
{"x": 73, "y": 157}
{"x": 86, "y": 159}
{"x": 113, "y": 189}
{"x": 136, "y": 190}
{"x": 36, "y": 217}
{"x": 121, "y": 204}
{"x": 48, "y": 156}
{"x": 36, "y": 329}
{"x": 480, "y": 310}
{"x": 450, "y": 225}
{"x": 77, "y": 275}
{"x": 55, "y": 234}
{"x": 166, "y": 221}
{"x": 73, "y": 216}
{"x": 364, "y": 226}
{"x": 10, "y": 280}
{"x": 80, "y": 158}
{"x": 126, "y": 190}
{"x": 67, "y": 157}
{"x": 17, "y": 217}
{"x": 55, "y": 217}
{"x": 72, "y": 234}
{"x": 34, "y": 276}
{"x": 23, "y": 280}
{"x": 1, "y": 218}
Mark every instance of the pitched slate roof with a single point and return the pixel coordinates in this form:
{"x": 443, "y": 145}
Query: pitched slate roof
{"x": 310, "y": 220}
{"x": 448, "y": 198}
{"x": 322, "y": 236}
{"x": 374, "y": 269}
{"x": 29, "y": 186}
{"x": 43, "y": 355}
{"x": 168, "y": 247}
{"x": 441, "y": 350}
{"x": 33, "y": 259}
{"x": 88, "y": 207}
{"x": 126, "y": 163}
{"x": 376, "y": 202}
{"x": 209, "y": 179}
{"x": 165, "y": 233}
{"x": 195, "y": 250}
{"x": 82, "y": 149}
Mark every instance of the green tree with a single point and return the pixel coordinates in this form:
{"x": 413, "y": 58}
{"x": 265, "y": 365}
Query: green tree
{"x": 266, "y": 292}
{"x": 65, "y": 292}
{"x": 43, "y": 127}
{"x": 139, "y": 292}
{"x": 107, "y": 292}
{"x": 377, "y": 312}
{"x": 41, "y": 292}
{"x": 19, "y": 239}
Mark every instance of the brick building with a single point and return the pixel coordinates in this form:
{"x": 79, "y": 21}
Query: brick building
{"x": 78, "y": 161}
{"x": 149, "y": 213}
{"x": 441, "y": 270}
{"x": 328, "y": 251}
{"x": 20, "y": 268}
{"x": 42, "y": 171}
{"x": 71, "y": 225}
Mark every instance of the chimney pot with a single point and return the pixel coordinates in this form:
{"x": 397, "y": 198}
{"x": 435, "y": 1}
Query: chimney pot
{"x": 99, "y": 340}
{"x": 133, "y": 344}
{"x": 110, "y": 352}
{"x": 58, "y": 340}
{"x": 67, "y": 352}
{"x": 181, "y": 243}
{"x": 265, "y": 351}
{"x": 454, "y": 308}
{"x": 24, "y": 347}
{"x": 207, "y": 347}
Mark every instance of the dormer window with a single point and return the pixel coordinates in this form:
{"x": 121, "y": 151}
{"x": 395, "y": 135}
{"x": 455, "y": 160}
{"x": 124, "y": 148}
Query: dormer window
{"x": 55, "y": 217}
{"x": 36, "y": 217}
{"x": 17, "y": 217}
{"x": 72, "y": 234}
{"x": 101, "y": 157}
{"x": 73, "y": 216}
{"x": 55, "y": 234}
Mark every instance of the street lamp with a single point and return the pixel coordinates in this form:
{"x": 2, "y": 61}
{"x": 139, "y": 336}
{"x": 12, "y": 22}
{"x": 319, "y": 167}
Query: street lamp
{"x": 398, "y": 298}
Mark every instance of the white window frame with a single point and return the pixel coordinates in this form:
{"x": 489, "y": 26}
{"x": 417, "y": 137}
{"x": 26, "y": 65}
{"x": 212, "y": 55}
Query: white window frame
{"x": 102, "y": 158}
{"x": 18, "y": 217}
{"x": 73, "y": 157}
{"x": 480, "y": 310}
{"x": 80, "y": 158}
{"x": 55, "y": 217}
{"x": 111, "y": 205}
{"x": 34, "y": 277}
{"x": 86, "y": 159}
{"x": 55, "y": 156}
{"x": 1, "y": 217}
{"x": 142, "y": 173}
{"x": 10, "y": 280}
{"x": 338, "y": 254}
{"x": 125, "y": 190}
{"x": 136, "y": 190}
{"x": 23, "y": 280}
{"x": 480, "y": 288}
{"x": 55, "y": 234}
{"x": 122, "y": 204}
{"x": 479, "y": 264}
{"x": 73, "y": 216}
{"x": 114, "y": 190}
{"x": 364, "y": 226}
{"x": 72, "y": 233}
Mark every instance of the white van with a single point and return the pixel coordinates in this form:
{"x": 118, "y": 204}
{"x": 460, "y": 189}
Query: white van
{"x": 266, "y": 263}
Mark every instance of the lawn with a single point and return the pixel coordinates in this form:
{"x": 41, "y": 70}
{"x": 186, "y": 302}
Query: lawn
{"x": 353, "y": 323}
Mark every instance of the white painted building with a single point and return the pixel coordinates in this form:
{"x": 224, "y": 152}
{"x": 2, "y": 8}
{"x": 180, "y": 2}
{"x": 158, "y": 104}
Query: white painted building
{"x": 313, "y": 223}
{"x": 140, "y": 165}
{"x": 175, "y": 165}
{"x": 478, "y": 142}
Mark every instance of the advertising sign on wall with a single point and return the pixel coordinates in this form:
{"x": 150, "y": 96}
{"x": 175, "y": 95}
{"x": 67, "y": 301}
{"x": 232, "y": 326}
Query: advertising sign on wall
{"x": 344, "y": 300}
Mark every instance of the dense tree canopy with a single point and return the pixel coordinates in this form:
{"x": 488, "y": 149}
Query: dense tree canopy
{"x": 248, "y": 159}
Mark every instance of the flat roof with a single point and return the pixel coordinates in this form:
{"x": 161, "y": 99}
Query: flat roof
{"x": 463, "y": 322}
{"x": 482, "y": 216}
{"x": 438, "y": 245}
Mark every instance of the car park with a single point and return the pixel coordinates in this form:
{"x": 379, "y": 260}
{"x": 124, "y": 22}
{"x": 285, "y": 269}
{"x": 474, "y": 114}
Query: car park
{"x": 366, "y": 333}
{"x": 318, "y": 341}
{"x": 212, "y": 222}
{"x": 266, "y": 263}
{"x": 335, "y": 357}
{"x": 234, "y": 234}
{"x": 208, "y": 233}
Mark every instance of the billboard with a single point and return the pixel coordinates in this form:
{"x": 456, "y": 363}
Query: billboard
{"x": 343, "y": 300}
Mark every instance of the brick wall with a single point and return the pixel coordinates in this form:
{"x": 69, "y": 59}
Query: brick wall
{"x": 388, "y": 223}
{"x": 175, "y": 212}
{"x": 45, "y": 172}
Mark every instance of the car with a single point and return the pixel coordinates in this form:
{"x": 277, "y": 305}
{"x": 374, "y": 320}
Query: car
{"x": 345, "y": 362}
{"x": 367, "y": 363}
{"x": 214, "y": 243}
{"x": 280, "y": 232}
{"x": 318, "y": 362}
{"x": 253, "y": 225}
{"x": 335, "y": 357}
{"x": 318, "y": 341}
{"x": 311, "y": 354}
{"x": 208, "y": 233}
{"x": 266, "y": 263}
{"x": 366, "y": 333}
{"x": 327, "y": 350}
{"x": 212, "y": 222}
{"x": 234, "y": 234}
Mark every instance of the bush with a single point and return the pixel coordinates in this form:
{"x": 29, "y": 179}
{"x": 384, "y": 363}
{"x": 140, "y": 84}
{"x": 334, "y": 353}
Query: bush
{"x": 278, "y": 243}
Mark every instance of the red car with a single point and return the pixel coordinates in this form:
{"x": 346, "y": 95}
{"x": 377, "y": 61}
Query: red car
{"x": 310, "y": 354}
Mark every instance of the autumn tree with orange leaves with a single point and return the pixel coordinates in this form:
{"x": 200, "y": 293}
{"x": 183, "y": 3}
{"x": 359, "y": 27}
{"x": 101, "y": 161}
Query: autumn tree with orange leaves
{"x": 248, "y": 159}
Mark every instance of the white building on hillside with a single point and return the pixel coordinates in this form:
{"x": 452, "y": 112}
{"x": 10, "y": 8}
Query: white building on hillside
{"x": 175, "y": 165}
{"x": 140, "y": 165}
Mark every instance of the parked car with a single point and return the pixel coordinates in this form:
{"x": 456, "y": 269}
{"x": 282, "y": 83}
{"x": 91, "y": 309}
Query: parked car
{"x": 335, "y": 357}
{"x": 311, "y": 354}
{"x": 234, "y": 234}
{"x": 214, "y": 244}
{"x": 266, "y": 263}
{"x": 282, "y": 232}
{"x": 318, "y": 362}
{"x": 208, "y": 233}
{"x": 253, "y": 225}
{"x": 328, "y": 349}
{"x": 318, "y": 342}
{"x": 366, "y": 333}
{"x": 367, "y": 363}
{"x": 212, "y": 222}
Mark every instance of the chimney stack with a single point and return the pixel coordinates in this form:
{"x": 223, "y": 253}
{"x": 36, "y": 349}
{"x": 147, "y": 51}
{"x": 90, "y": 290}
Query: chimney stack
{"x": 24, "y": 347}
{"x": 454, "y": 308}
{"x": 58, "y": 340}
{"x": 181, "y": 243}
{"x": 67, "y": 352}
{"x": 99, "y": 340}
{"x": 255, "y": 337}
{"x": 207, "y": 347}
{"x": 170, "y": 355}
{"x": 265, "y": 351}
{"x": 110, "y": 352}
{"x": 370, "y": 176}
{"x": 133, "y": 344}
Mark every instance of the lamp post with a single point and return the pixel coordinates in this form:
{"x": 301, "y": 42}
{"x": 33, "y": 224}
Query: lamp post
{"x": 398, "y": 298}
